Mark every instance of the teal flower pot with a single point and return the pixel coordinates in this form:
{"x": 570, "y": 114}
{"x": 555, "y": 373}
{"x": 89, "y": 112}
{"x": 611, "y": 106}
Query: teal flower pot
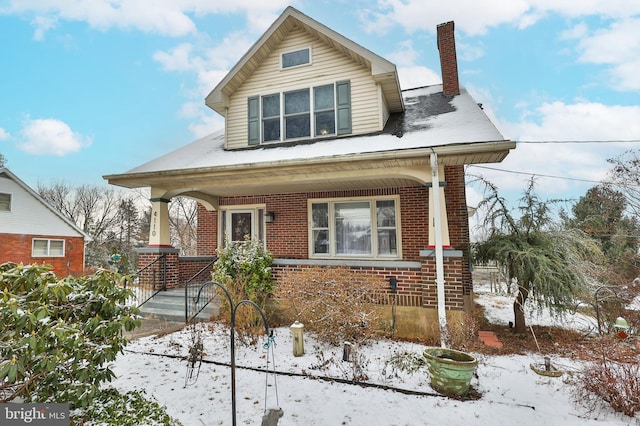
{"x": 450, "y": 370}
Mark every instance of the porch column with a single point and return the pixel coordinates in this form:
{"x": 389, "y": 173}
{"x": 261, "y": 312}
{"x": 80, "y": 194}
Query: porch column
{"x": 444, "y": 223}
{"x": 159, "y": 235}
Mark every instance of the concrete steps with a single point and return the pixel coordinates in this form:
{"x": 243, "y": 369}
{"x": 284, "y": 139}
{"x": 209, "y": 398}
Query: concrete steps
{"x": 169, "y": 305}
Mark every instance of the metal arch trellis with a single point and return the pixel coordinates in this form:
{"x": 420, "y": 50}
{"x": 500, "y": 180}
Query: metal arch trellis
{"x": 233, "y": 308}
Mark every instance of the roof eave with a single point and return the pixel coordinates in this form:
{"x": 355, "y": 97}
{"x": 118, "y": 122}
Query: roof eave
{"x": 453, "y": 154}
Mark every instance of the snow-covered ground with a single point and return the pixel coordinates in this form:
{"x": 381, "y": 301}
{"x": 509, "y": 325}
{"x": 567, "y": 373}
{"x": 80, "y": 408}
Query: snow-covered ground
{"x": 510, "y": 392}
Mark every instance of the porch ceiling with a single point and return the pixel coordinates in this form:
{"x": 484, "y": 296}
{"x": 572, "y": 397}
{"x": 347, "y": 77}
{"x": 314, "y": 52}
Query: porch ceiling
{"x": 393, "y": 169}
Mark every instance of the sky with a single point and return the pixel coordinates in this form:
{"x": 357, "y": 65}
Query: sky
{"x": 101, "y": 86}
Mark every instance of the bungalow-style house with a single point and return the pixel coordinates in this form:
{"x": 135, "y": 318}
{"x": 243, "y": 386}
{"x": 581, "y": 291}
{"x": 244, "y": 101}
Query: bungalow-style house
{"x": 329, "y": 162}
{"x": 31, "y": 231}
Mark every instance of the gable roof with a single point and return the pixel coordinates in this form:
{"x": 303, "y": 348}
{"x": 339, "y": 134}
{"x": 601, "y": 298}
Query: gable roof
{"x": 454, "y": 127}
{"x": 383, "y": 71}
{"x": 6, "y": 173}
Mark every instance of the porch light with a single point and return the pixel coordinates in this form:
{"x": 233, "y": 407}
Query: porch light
{"x": 269, "y": 217}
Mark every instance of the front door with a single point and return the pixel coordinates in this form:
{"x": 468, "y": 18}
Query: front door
{"x": 242, "y": 224}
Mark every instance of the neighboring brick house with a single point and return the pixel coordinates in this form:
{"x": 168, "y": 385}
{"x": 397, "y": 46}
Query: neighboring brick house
{"x": 329, "y": 162}
{"x": 31, "y": 231}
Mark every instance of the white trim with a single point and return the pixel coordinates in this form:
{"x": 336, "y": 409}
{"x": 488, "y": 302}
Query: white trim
{"x": 300, "y": 49}
{"x": 374, "y": 240}
{"x": 48, "y": 240}
{"x": 241, "y": 208}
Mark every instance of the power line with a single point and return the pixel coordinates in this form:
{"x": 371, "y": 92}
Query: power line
{"x": 541, "y": 175}
{"x": 577, "y": 141}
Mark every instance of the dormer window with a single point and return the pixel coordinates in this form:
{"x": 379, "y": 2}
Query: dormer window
{"x": 295, "y": 58}
{"x": 315, "y": 112}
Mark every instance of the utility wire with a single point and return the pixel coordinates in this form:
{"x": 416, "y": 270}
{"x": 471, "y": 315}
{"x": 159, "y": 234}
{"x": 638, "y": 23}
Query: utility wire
{"x": 538, "y": 174}
{"x": 577, "y": 141}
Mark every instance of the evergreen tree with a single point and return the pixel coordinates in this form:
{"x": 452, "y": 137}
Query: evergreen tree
{"x": 549, "y": 264}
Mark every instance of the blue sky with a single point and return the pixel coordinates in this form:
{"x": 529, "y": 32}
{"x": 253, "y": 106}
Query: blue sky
{"x": 100, "y": 86}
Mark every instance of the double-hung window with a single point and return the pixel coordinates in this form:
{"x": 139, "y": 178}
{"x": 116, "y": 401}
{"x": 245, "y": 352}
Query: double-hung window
{"x": 360, "y": 227}
{"x": 318, "y": 111}
{"x": 47, "y": 248}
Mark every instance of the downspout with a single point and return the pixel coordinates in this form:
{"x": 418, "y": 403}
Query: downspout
{"x": 442, "y": 315}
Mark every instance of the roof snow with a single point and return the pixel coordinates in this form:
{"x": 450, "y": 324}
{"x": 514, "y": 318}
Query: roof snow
{"x": 430, "y": 120}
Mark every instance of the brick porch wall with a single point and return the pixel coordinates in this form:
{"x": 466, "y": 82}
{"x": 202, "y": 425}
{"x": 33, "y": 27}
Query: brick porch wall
{"x": 17, "y": 248}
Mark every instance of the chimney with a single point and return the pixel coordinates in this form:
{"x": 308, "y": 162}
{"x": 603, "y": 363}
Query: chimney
{"x": 448, "y": 61}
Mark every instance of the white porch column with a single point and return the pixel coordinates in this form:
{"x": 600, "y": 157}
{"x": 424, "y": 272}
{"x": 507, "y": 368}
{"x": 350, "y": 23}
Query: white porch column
{"x": 438, "y": 199}
{"x": 159, "y": 231}
{"x": 441, "y": 208}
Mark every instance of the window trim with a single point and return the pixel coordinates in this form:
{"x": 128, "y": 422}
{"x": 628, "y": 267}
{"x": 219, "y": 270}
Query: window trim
{"x": 374, "y": 228}
{"x": 48, "y": 254}
{"x": 341, "y": 114}
{"x": 10, "y": 201}
{"x": 299, "y": 49}
{"x": 257, "y": 216}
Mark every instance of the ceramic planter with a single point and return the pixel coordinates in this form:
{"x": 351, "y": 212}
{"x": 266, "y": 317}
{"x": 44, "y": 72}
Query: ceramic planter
{"x": 450, "y": 370}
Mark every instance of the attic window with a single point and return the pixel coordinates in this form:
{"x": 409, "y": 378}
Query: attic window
{"x": 295, "y": 58}
{"x": 5, "y": 202}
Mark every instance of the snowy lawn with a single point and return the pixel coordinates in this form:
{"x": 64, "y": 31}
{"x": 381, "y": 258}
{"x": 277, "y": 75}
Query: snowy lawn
{"x": 509, "y": 391}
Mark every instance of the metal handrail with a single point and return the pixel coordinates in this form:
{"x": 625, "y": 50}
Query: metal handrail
{"x": 149, "y": 280}
{"x": 197, "y": 295}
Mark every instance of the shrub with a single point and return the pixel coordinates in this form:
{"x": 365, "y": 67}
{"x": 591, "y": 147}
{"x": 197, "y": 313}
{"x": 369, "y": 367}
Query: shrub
{"x": 338, "y": 304}
{"x": 58, "y": 335}
{"x": 244, "y": 268}
{"x": 613, "y": 378}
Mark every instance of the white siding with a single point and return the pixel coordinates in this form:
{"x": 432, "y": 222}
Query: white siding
{"x": 29, "y": 216}
{"x": 328, "y": 66}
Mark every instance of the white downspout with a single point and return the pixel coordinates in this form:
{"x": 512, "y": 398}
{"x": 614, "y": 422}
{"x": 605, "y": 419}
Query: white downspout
{"x": 442, "y": 315}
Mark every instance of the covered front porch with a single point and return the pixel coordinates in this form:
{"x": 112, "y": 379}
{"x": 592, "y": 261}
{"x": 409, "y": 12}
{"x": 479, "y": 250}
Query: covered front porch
{"x": 275, "y": 197}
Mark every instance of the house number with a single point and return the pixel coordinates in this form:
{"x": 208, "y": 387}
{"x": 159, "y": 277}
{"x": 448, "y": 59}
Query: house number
{"x": 155, "y": 221}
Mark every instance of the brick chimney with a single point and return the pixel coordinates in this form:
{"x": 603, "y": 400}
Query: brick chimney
{"x": 448, "y": 61}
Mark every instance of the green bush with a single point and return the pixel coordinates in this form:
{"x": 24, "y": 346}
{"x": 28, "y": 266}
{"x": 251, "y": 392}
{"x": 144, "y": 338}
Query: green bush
{"x": 58, "y": 335}
{"x": 244, "y": 267}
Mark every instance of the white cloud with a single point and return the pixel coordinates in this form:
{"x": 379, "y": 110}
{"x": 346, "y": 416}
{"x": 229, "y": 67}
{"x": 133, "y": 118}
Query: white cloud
{"x": 4, "y": 135}
{"x": 558, "y": 121}
{"x": 471, "y": 16}
{"x": 166, "y": 17}
{"x": 619, "y": 47}
{"x": 404, "y": 54}
{"x": 208, "y": 123}
{"x": 50, "y": 137}
{"x": 476, "y": 17}
{"x": 417, "y": 76}
{"x": 580, "y": 121}
{"x": 209, "y": 65}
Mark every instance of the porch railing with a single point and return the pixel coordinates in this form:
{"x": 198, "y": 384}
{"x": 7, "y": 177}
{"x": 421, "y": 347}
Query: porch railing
{"x": 149, "y": 281}
{"x": 198, "y": 292}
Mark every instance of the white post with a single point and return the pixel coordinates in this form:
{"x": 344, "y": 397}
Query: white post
{"x": 442, "y": 315}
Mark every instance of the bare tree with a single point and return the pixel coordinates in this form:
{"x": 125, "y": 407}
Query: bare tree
{"x": 183, "y": 218}
{"x": 625, "y": 177}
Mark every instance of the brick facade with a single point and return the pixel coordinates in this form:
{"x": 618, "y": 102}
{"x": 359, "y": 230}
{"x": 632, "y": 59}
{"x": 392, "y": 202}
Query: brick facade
{"x": 17, "y": 248}
{"x": 287, "y": 237}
